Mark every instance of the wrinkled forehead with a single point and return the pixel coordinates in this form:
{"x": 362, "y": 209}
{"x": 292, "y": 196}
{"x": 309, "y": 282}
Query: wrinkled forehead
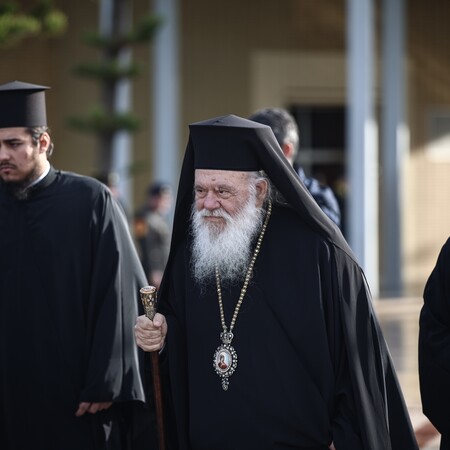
{"x": 214, "y": 176}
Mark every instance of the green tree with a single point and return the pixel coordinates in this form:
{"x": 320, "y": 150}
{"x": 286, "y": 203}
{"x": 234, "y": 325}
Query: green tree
{"x": 115, "y": 38}
{"x": 42, "y": 18}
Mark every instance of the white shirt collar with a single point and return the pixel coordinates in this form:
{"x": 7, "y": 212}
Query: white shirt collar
{"x": 44, "y": 174}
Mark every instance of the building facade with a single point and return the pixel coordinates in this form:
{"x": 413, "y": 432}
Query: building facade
{"x": 237, "y": 56}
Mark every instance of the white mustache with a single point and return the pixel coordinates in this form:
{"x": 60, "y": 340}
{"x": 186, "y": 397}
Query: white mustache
{"x": 214, "y": 213}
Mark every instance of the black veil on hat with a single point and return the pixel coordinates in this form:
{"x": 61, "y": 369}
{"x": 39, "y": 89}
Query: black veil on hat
{"x": 233, "y": 143}
{"x": 22, "y": 105}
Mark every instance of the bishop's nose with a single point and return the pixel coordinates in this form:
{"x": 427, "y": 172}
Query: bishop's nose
{"x": 211, "y": 202}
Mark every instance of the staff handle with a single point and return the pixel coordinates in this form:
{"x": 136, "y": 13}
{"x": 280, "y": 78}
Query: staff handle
{"x": 148, "y": 298}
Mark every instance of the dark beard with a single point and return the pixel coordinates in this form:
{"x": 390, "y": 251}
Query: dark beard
{"x": 17, "y": 190}
{"x": 20, "y": 190}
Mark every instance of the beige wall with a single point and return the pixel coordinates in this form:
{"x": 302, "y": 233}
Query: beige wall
{"x": 221, "y": 38}
{"x": 427, "y": 218}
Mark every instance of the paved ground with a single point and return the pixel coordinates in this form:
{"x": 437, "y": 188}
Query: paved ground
{"x": 399, "y": 319}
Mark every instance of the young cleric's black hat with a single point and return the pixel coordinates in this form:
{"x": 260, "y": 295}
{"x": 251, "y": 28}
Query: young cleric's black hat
{"x": 22, "y": 105}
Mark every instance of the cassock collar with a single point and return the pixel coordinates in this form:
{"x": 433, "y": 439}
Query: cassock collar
{"x": 41, "y": 177}
{"x": 45, "y": 182}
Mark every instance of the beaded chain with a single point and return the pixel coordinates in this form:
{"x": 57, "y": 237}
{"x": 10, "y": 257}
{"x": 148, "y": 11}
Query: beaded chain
{"x": 246, "y": 281}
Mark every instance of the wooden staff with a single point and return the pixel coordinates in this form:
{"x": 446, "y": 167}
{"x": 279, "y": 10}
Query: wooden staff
{"x": 148, "y": 298}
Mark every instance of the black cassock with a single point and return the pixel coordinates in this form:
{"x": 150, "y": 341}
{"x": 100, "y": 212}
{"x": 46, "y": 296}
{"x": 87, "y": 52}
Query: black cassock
{"x": 312, "y": 368}
{"x": 434, "y": 347}
{"x": 69, "y": 293}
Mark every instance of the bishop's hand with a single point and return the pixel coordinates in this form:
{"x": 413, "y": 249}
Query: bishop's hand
{"x": 150, "y": 334}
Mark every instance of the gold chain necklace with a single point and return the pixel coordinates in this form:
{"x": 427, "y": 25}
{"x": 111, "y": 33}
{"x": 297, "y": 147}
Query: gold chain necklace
{"x": 225, "y": 357}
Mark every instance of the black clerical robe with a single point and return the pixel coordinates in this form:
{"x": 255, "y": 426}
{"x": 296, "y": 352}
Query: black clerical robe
{"x": 69, "y": 287}
{"x": 312, "y": 368}
{"x": 434, "y": 347}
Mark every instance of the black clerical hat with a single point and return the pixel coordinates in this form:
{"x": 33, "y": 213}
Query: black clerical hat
{"x": 227, "y": 143}
{"x": 22, "y": 105}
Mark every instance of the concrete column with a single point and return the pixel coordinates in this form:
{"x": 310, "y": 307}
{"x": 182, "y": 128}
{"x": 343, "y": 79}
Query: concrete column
{"x": 362, "y": 140}
{"x": 394, "y": 144}
{"x": 122, "y": 141}
{"x": 165, "y": 94}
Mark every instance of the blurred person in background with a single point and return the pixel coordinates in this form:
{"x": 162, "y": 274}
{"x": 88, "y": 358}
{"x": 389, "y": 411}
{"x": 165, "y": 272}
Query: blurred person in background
{"x": 153, "y": 229}
{"x": 285, "y": 129}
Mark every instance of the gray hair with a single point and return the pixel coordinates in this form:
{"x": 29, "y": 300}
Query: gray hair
{"x": 255, "y": 178}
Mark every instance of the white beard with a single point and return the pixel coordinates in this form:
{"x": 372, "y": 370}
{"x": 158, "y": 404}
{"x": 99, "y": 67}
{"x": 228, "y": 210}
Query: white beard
{"x": 227, "y": 247}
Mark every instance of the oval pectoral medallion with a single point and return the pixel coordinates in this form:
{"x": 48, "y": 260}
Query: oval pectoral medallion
{"x": 225, "y": 363}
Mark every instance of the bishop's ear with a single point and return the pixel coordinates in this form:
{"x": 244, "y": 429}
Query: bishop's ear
{"x": 261, "y": 192}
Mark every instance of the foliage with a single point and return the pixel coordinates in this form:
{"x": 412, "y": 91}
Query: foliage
{"x": 100, "y": 121}
{"x": 108, "y": 71}
{"x": 142, "y": 33}
{"x": 42, "y": 19}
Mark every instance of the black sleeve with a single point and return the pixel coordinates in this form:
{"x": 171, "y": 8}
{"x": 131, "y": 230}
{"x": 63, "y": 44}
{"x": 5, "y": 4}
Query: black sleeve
{"x": 345, "y": 426}
{"x": 344, "y": 421}
{"x": 379, "y": 406}
{"x": 434, "y": 344}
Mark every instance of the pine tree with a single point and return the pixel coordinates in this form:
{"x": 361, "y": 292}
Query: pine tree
{"x": 116, "y": 38}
